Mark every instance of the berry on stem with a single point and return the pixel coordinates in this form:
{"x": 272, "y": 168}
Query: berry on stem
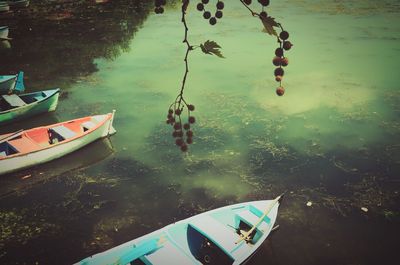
{"x": 220, "y": 5}
{"x": 263, "y": 14}
{"x": 206, "y": 15}
{"x": 277, "y": 61}
{"x": 213, "y": 21}
{"x": 279, "y": 52}
{"x": 264, "y": 2}
{"x": 284, "y": 35}
{"x": 280, "y": 91}
{"x": 192, "y": 119}
{"x": 279, "y": 71}
{"x": 247, "y": 2}
{"x": 284, "y": 61}
{"x": 287, "y": 45}
{"x": 218, "y": 14}
{"x": 200, "y": 6}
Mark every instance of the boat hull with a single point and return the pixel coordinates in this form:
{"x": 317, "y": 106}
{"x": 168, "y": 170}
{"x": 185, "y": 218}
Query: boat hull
{"x": 4, "y": 32}
{"x": 177, "y": 249}
{"x": 7, "y": 83}
{"x": 15, "y": 163}
{"x": 46, "y": 105}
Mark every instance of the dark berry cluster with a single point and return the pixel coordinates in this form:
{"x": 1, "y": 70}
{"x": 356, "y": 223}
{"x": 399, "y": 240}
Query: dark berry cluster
{"x": 280, "y": 60}
{"x": 207, "y": 14}
{"x": 159, "y": 9}
{"x": 182, "y": 133}
{"x": 284, "y": 45}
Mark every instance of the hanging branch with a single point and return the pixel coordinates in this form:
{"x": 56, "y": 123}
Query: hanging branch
{"x": 182, "y": 132}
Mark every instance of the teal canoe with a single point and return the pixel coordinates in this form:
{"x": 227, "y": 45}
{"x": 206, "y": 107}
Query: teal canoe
{"x": 10, "y": 84}
{"x": 17, "y": 107}
{"x": 227, "y": 235}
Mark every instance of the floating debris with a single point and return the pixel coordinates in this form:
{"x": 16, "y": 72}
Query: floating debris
{"x": 27, "y": 176}
{"x": 364, "y": 209}
{"x": 309, "y": 204}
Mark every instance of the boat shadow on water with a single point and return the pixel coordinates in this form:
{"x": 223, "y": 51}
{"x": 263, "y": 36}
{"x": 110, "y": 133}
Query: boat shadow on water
{"x": 22, "y": 181}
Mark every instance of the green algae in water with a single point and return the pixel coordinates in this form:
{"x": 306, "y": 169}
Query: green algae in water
{"x": 330, "y": 140}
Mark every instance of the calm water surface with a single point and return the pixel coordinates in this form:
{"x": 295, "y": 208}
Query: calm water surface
{"x": 332, "y": 140}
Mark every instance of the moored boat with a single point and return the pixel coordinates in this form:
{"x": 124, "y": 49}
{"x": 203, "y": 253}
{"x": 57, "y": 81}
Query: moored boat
{"x": 4, "y": 32}
{"x": 35, "y": 146}
{"x": 12, "y": 83}
{"x": 16, "y": 107}
{"x": 227, "y": 235}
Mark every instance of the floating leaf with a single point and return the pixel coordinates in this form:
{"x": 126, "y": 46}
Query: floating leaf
{"x": 269, "y": 24}
{"x": 211, "y": 47}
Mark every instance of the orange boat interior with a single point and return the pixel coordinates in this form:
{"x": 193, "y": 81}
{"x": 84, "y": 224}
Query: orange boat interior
{"x": 42, "y": 137}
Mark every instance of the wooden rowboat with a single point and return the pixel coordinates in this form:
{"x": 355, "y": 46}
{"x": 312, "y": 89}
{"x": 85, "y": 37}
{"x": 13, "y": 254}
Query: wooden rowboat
{"x": 12, "y": 83}
{"x": 24, "y": 149}
{"x": 17, "y": 107}
{"x": 227, "y": 235}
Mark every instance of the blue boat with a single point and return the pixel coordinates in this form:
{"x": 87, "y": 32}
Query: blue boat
{"x": 17, "y": 107}
{"x": 12, "y": 83}
{"x": 227, "y": 235}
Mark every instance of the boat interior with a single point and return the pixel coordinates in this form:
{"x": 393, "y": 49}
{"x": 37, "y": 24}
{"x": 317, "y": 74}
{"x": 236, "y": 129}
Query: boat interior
{"x": 12, "y": 101}
{"x": 211, "y": 239}
{"x": 42, "y": 137}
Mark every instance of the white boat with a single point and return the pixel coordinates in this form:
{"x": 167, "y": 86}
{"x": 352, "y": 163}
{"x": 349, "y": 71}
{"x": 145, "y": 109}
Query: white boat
{"x": 227, "y": 235}
{"x": 4, "y": 33}
{"x": 35, "y": 146}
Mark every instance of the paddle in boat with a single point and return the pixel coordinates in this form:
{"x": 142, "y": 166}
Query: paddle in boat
{"x": 12, "y": 83}
{"x": 17, "y": 107}
{"x": 227, "y": 235}
{"x": 31, "y": 147}
{"x": 4, "y": 33}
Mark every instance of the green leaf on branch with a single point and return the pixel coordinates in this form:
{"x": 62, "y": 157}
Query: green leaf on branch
{"x": 269, "y": 24}
{"x": 211, "y": 47}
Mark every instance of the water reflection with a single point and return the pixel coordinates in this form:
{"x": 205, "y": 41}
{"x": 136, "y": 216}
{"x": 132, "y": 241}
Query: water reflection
{"x": 331, "y": 140}
{"x": 62, "y": 40}
{"x": 21, "y": 181}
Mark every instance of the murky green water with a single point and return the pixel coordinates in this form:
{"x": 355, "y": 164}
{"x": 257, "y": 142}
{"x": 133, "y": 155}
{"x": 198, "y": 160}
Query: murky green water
{"x": 333, "y": 139}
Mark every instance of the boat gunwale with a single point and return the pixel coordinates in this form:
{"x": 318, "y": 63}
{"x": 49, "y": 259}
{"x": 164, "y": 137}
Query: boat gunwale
{"x": 86, "y": 133}
{"x": 7, "y": 78}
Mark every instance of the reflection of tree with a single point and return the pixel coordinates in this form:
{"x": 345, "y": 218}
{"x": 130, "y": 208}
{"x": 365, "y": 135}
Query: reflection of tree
{"x": 61, "y": 39}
